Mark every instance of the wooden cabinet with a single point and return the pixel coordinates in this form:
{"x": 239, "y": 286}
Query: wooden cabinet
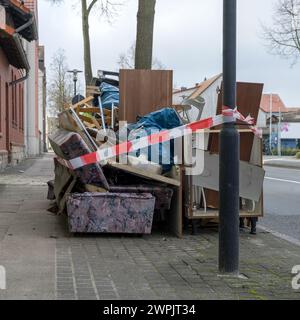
{"x": 144, "y": 91}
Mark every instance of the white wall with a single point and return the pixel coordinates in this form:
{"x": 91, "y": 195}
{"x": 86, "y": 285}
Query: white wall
{"x": 262, "y": 119}
{"x": 210, "y": 96}
{"x": 41, "y": 101}
{"x": 32, "y": 140}
{"x": 293, "y": 130}
{"x": 178, "y": 97}
{"x": 2, "y": 17}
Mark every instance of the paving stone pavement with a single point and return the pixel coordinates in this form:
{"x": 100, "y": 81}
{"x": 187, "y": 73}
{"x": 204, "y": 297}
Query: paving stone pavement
{"x": 44, "y": 261}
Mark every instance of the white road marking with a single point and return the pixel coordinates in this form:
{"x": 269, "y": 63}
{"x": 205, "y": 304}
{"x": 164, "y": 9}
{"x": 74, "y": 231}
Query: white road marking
{"x": 283, "y": 180}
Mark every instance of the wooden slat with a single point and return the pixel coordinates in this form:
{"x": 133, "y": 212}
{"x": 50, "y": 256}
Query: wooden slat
{"x": 86, "y": 100}
{"x": 96, "y": 123}
{"x": 89, "y": 110}
{"x": 213, "y": 214}
{"x": 86, "y": 119}
{"x": 89, "y": 125}
{"x": 92, "y": 90}
{"x": 144, "y": 174}
{"x": 95, "y": 110}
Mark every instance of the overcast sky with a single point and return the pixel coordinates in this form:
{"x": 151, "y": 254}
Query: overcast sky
{"x": 188, "y": 39}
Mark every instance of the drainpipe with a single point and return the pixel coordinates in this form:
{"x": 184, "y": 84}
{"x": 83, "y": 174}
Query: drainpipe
{"x": 26, "y": 25}
{"x": 20, "y": 47}
{"x": 24, "y": 78}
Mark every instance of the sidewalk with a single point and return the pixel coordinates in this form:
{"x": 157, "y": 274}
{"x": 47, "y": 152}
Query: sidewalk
{"x": 43, "y": 261}
{"x": 282, "y": 162}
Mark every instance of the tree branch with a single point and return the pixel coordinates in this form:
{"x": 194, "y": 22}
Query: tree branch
{"x": 90, "y": 7}
{"x": 284, "y": 37}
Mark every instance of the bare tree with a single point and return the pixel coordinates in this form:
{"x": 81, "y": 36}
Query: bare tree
{"x": 60, "y": 83}
{"x": 283, "y": 38}
{"x": 144, "y": 37}
{"x": 127, "y": 59}
{"x": 106, "y": 8}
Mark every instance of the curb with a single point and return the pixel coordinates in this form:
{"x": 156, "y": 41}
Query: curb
{"x": 282, "y": 165}
{"x": 280, "y": 235}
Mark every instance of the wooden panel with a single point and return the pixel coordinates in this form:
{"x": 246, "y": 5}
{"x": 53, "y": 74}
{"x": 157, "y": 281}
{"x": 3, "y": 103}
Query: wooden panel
{"x": 248, "y": 102}
{"x": 144, "y": 91}
{"x": 251, "y": 177}
{"x": 256, "y": 158}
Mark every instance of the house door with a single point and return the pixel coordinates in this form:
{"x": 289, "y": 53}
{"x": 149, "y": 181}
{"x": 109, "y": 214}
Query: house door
{"x": 7, "y": 121}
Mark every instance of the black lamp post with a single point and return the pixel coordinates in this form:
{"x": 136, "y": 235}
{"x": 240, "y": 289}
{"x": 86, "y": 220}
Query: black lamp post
{"x": 229, "y": 151}
{"x": 75, "y": 79}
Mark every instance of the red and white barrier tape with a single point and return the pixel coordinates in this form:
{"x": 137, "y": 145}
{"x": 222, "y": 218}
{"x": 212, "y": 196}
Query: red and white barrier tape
{"x": 228, "y": 115}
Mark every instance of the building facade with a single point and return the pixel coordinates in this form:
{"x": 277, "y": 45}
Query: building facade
{"x": 281, "y": 125}
{"x": 32, "y": 134}
{"x": 17, "y": 28}
{"x": 42, "y": 91}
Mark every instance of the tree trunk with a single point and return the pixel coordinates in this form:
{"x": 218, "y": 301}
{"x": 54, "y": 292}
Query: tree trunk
{"x": 144, "y": 38}
{"x": 86, "y": 44}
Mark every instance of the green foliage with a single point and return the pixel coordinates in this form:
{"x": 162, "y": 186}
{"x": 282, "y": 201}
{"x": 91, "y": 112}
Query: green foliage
{"x": 298, "y": 155}
{"x": 286, "y": 152}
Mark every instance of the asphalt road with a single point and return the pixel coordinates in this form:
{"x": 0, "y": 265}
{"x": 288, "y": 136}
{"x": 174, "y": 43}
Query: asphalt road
{"x": 282, "y": 201}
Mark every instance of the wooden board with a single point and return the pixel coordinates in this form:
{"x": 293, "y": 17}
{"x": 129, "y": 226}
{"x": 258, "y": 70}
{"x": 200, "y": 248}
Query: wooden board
{"x": 248, "y": 102}
{"x": 214, "y": 214}
{"x": 82, "y": 102}
{"x": 92, "y": 90}
{"x": 144, "y": 174}
{"x": 175, "y": 215}
{"x": 144, "y": 91}
{"x": 251, "y": 177}
{"x": 212, "y": 197}
{"x": 96, "y": 110}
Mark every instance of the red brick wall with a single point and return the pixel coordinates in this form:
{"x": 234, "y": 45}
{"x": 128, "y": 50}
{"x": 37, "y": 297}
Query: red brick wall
{"x": 11, "y": 123}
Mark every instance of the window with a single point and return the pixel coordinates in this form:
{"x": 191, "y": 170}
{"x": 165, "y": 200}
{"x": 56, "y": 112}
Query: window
{"x": 21, "y": 107}
{"x": 14, "y": 102}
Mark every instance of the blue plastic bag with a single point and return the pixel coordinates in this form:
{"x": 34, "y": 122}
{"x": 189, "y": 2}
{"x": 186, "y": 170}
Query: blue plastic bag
{"x": 110, "y": 95}
{"x": 164, "y": 119}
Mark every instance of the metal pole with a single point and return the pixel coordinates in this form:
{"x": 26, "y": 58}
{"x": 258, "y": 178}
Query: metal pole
{"x": 279, "y": 133}
{"x": 271, "y": 115}
{"x": 75, "y": 88}
{"x": 229, "y": 151}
